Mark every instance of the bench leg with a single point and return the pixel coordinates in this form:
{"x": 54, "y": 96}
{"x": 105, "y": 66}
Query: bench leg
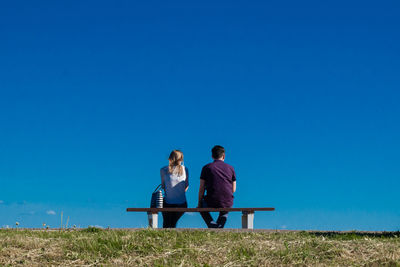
{"x": 153, "y": 220}
{"x": 247, "y": 220}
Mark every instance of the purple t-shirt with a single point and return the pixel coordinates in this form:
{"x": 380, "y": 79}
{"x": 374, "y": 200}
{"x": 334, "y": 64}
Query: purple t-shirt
{"x": 219, "y": 177}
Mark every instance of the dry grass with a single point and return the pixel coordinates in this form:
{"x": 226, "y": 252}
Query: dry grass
{"x": 93, "y": 247}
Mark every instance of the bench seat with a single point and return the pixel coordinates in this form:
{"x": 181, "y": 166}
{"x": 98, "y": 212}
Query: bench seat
{"x": 247, "y": 213}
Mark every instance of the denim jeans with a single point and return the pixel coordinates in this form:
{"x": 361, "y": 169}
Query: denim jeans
{"x": 223, "y": 216}
{"x": 170, "y": 219}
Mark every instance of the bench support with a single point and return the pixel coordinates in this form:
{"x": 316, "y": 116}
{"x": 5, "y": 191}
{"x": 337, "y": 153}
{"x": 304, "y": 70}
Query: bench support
{"x": 247, "y": 220}
{"x": 153, "y": 219}
{"x": 247, "y": 213}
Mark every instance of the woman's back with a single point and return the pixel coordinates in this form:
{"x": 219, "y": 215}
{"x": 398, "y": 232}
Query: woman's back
{"x": 174, "y": 185}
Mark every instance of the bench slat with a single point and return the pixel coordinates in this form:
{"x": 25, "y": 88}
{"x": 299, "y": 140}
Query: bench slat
{"x": 198, "y": 209}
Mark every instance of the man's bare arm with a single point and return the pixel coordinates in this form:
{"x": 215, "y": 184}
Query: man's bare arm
{"x": 201, "y": 192}
{"x": 233, "y": 186}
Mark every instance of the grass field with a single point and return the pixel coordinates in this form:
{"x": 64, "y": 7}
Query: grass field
{"x": 95, "y": 247}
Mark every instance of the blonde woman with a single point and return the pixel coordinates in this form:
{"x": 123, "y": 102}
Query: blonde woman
{"x": 175, "y": 182}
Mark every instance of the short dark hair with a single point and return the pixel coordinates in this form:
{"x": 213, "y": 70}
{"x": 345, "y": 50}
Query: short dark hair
{"x": 217, "y": 152}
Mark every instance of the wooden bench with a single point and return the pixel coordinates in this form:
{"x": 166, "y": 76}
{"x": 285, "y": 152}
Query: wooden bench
{"x": 247, "y": 213}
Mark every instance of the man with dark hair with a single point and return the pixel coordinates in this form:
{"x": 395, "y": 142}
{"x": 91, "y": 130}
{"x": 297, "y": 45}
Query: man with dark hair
{"x": 219, "y": 180}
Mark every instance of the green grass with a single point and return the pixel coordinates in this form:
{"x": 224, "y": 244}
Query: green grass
{"x": 94, "y": 246}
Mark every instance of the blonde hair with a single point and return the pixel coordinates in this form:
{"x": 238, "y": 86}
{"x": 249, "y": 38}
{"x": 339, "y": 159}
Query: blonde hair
{"x": 175, "y": 160}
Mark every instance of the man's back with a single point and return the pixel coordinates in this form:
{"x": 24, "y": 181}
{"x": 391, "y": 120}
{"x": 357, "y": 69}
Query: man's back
{"x": 218, "y": 177}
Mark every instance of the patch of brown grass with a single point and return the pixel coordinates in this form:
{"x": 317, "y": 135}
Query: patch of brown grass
{"x": 194, "y": 248}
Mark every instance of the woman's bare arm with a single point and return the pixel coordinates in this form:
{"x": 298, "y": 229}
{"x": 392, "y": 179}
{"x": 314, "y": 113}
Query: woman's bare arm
{"x": 162, "y": 179}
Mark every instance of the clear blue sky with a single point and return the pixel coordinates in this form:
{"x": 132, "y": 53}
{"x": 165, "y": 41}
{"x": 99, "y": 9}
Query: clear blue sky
{"x": 303, "y": 95}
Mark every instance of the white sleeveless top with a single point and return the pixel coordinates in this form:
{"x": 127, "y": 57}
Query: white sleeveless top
{"x": 174, "y": 185}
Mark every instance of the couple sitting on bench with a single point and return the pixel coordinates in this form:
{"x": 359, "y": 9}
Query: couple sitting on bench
{"x": 218, "y": 179}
